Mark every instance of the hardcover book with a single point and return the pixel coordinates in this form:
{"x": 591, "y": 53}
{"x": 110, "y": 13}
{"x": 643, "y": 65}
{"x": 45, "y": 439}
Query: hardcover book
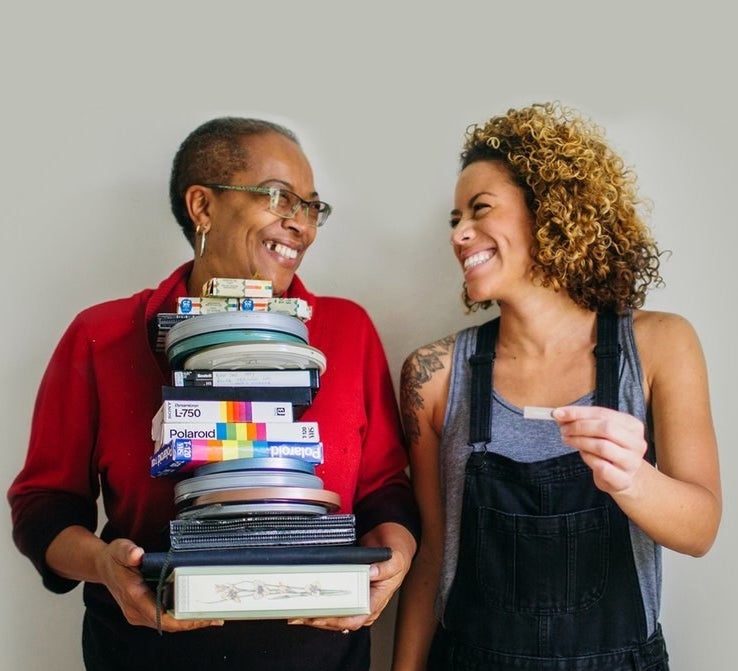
{"x": 268, "y": 592}
{"x": 153, "y": 563}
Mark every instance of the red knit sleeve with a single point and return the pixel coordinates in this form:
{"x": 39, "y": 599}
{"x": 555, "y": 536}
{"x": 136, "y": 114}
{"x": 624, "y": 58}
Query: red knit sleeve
{"x": 57, "y": 486}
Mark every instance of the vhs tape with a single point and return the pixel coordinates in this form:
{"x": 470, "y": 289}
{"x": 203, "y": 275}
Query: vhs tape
{"x": 220, "y": 411}
{"x": 308, "y": 377}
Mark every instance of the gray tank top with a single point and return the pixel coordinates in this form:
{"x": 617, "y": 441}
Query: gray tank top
{"x": 527, "y": 441}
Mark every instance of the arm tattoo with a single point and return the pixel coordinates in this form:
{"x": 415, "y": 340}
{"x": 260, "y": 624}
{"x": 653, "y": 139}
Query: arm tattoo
{"x": 416, "y": 371}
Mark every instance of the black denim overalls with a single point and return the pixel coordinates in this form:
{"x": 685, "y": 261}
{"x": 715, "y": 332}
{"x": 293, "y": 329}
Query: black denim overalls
{"x": 545, "y": 576}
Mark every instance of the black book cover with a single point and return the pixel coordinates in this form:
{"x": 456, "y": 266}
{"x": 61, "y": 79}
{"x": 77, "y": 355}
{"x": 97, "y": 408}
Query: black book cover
{"x": 153, "y": 563}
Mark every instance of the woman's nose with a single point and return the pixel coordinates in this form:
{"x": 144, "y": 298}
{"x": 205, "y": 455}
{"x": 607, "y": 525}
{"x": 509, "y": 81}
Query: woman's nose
{"x": 298, "y": 222}
{"x": 462, "y": 232}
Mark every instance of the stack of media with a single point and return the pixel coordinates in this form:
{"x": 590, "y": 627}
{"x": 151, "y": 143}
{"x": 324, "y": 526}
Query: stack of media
{"x": 256, "y": 534}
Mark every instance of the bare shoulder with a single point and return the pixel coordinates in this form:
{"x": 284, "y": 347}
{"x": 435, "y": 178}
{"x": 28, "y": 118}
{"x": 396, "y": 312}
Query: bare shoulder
{"x": 425, "y": 362}
{"x": 424, "y": 386}
{"x": 664, "y": 338}
{"x": 661, "y": 329}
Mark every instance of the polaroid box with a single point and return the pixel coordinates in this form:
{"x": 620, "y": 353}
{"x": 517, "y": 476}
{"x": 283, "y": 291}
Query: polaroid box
{"x": 184, "y": 454}
{"x": 283, "y": 432}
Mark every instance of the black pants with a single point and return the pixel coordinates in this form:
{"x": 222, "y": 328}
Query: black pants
{"x": 110, "y": 644}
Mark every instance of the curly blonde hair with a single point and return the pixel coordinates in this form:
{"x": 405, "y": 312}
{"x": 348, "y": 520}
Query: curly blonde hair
{"x": 589, "y": 236}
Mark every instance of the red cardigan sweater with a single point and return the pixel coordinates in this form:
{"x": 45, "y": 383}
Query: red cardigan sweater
{"x": 92, "y": 421}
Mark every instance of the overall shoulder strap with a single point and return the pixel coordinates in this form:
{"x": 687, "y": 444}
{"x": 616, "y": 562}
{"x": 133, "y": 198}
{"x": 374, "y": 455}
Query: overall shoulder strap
{"x": 481, "y": 382}
{"x": 607, "y": 356}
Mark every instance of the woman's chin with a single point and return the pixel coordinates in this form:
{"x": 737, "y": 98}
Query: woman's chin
{"x": 478, "y": 296}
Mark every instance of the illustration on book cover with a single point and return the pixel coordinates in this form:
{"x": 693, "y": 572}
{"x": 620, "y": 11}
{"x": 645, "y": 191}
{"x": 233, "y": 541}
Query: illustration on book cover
{"x": 262, "y": 591}
{"x": 258, "y": 589}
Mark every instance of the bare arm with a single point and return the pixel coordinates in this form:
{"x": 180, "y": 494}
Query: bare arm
{"x": 423, "y": 391}
{"x": 78, "y": 554}
{"x": 677, "y": 504}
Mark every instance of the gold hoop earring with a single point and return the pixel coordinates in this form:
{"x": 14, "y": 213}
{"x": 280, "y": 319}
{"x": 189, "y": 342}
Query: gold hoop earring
{"x": 468, "y": 302}
{"x": 471, "y": 306}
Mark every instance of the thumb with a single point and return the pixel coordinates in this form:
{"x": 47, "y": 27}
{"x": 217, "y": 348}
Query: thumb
{"x": 126, "y": 552}
{"x": 385, "y": 569}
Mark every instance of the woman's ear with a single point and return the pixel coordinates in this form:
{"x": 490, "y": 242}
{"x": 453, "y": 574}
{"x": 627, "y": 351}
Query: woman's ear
{"x": 198, "y": 200}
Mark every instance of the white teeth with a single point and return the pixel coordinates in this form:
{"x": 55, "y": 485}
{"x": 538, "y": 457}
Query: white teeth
{"x": 476, "y": 259}
{"x": 282, "y": 250}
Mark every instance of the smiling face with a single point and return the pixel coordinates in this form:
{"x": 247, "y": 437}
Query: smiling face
{"x": 492, "y": 232}
{"x": 244, "y": 239}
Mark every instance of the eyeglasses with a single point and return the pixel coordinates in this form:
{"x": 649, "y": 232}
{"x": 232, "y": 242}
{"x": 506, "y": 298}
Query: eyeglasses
{"x": 284, "y": 203}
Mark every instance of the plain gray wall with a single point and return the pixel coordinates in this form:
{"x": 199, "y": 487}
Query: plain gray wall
{"x": 97, "y": 97}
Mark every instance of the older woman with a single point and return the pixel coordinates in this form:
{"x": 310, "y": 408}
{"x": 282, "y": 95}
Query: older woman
{"x": 242, "y": 190}
{"x": 541, "y": 539}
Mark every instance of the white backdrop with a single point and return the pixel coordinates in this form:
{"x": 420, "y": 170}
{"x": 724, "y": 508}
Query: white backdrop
{"x": 96, "y": 98}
